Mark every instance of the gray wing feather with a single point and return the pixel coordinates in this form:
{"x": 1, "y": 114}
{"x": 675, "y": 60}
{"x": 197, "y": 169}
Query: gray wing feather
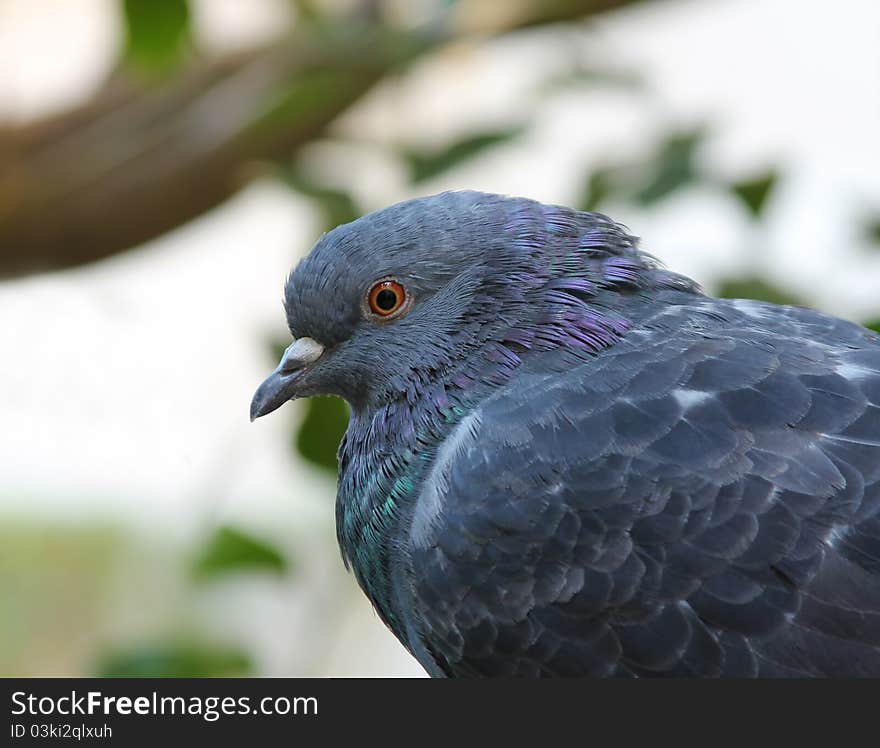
{"x": 696, "y": 501}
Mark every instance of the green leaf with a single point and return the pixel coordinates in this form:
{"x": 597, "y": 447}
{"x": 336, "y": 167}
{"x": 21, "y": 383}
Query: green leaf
{"x": 872, "y": 230}
{"x": 874, "y": 325}
{"x": 428, "y": 164}
{"x": 598, "y": 188}
{"x": 306, "y": 10}
{"x": 230, "y": 550}
{"x": 673, "y": 166}
{"x": 277, "y": 346}
{"x": 582, "y": 77}
{"x": 318, "y": 437}
{"x": 754, "y": 192}
{"x": 157, "y": 34}
{"x": 755, "y": 287}
{"x": 337, "y": 207}
{"x": 176, "y": 660}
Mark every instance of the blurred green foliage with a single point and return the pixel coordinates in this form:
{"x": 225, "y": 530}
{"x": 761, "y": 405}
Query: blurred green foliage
{"x": 60, "y": 592}
{"x": 157, "y": 34}
{"x": 193, "y": 659}
{"x": 872, "y": 231}
{"x": 336, "y": 207}
{"x": 307, "y": 10}
{"x": 581, "y": 76}
{"x": 54, "y": 581}
{"x": 598, "y": 187}
{"x": 230, "y": 550}
{"x": 757, "y": 287}
{"x": 426, "y": 164}
{"x": 320, "y": 432}
{"x": 672, "y": 167}
{"x": 754, "y": 192}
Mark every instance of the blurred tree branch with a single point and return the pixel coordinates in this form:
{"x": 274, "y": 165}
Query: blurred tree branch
{"x": 143, "y": 157}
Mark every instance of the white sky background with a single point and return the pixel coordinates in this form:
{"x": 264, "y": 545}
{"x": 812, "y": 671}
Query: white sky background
{"x": 124, "y": 386}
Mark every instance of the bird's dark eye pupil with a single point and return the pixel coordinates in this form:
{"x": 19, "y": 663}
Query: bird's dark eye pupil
{"x": 386, "y": 300}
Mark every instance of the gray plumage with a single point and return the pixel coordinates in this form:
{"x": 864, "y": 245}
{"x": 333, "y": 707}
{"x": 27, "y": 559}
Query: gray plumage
{"x": 564, "y": 459}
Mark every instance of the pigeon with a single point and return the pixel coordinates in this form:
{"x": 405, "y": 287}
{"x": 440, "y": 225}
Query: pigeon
{"x": 564, "y": 459}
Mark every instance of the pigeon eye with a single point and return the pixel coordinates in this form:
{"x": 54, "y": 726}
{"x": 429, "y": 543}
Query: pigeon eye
{"x": 386, "y": 297}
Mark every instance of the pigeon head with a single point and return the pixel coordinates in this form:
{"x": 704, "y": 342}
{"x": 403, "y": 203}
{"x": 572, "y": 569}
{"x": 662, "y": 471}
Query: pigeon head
{"x": 459, "y": 284}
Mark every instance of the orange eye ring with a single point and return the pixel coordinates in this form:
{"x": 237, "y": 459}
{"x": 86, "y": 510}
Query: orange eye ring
{"x": 386, "y": 298}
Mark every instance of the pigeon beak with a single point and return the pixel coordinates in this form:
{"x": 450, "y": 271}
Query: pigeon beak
{"x": 280, "y": 386}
